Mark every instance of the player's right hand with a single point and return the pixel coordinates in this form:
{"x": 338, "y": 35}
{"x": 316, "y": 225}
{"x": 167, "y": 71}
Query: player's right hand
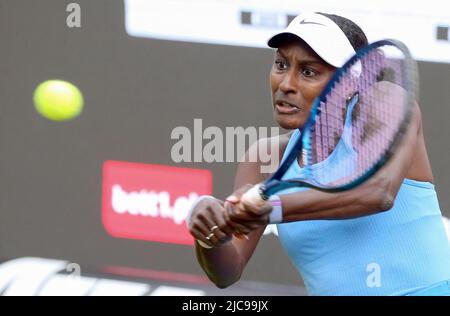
{"x": 208, "y": 224}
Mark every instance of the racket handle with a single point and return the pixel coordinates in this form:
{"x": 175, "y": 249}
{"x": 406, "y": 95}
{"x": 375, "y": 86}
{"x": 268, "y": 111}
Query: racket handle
{"x": 204, "y": 245}
{"x": 253, "y": 196}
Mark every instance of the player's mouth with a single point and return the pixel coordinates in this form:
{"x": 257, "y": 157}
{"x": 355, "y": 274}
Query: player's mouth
{"x": 284, "y": 107}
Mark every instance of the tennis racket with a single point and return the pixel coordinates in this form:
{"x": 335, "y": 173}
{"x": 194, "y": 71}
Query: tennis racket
{"x": 354, "y": 126}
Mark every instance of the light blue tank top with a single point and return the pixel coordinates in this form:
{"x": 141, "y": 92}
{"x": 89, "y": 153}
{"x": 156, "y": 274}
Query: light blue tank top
{"x": 397, "y": 252}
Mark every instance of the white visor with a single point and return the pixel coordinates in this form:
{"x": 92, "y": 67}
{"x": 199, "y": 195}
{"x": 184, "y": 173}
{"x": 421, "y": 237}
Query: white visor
{"x": 323, "y": 35}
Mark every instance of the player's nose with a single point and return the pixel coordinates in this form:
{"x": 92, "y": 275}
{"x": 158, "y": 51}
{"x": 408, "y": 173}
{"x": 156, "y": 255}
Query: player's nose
{"x": 289, "y": 83}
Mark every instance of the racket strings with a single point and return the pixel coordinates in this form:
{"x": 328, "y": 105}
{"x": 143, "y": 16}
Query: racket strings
{"x": 359, "y": 119}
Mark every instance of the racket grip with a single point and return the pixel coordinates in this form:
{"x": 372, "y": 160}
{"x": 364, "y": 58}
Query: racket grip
{"x": 204, "y": 245}
{"x": 253, "y": 196}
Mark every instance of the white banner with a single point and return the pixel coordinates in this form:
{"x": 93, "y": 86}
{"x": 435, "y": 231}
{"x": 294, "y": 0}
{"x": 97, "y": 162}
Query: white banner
{"x": 422, "y": 25}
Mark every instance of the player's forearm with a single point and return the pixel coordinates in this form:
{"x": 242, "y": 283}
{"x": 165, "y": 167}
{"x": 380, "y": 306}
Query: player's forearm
{"x": 223, "y": 265}
{"x": 367, "y": 199}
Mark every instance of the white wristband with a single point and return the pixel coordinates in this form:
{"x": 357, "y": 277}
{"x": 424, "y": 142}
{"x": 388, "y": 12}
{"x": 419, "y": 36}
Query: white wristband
{"x": 276, "y": 215}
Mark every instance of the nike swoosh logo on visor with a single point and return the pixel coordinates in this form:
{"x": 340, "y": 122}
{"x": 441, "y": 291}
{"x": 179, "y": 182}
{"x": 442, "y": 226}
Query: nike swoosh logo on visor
{"x": 306, "y": 22}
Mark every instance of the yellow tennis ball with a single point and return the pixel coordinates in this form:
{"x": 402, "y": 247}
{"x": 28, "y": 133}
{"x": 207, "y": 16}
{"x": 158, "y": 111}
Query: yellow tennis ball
{"x": 58, "y": 100}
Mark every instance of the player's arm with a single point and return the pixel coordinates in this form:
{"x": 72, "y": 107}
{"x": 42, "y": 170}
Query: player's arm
{"x": 225, "y": 262}
{"x": 221, "y": 262}
{"x": 375, "y": 195}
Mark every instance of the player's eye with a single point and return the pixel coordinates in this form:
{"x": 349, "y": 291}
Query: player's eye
{"x": 280, "y": 64}
{"x": 308, "y": 72}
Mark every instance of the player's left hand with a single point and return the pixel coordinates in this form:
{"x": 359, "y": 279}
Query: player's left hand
{"x": 246, "y": 214}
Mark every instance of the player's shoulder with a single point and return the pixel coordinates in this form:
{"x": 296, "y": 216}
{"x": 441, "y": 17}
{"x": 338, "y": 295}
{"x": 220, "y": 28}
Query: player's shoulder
{"x": 263, "y": 157}
{"x": 268, "y": 145}
{"x": 279, "y": 140}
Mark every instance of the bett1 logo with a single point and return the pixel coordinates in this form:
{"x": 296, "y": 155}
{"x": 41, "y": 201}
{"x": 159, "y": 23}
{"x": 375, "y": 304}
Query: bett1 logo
{"x": 150, "y": 202}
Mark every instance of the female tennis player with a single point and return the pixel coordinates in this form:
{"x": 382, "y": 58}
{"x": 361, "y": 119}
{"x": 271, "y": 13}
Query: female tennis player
{"x": 384, "y": 237}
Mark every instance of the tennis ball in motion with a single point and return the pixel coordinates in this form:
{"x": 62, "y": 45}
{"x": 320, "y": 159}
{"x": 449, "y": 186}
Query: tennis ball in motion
{"x": 58, "y": 100}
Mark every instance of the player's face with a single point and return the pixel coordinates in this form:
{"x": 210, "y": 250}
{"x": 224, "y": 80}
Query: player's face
{"x": 297, "y": 77}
